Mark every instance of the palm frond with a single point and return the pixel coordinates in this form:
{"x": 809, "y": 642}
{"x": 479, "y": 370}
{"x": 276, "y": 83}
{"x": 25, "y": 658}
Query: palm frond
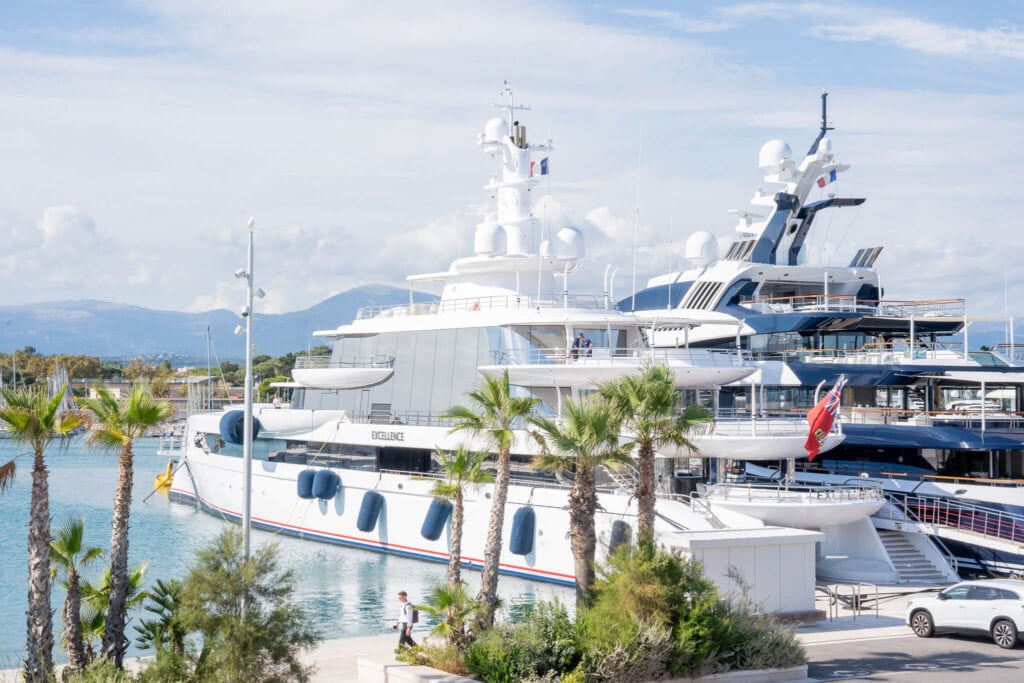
{"x": 7, "y": 472}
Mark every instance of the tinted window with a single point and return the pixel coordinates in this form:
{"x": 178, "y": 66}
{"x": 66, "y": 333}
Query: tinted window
{"x": 986, "y": 593}
{"x": 1008, "y": 595}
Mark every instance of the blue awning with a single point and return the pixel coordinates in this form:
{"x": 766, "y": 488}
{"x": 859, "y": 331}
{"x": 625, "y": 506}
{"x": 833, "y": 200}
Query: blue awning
{"x": 916, "y": 436}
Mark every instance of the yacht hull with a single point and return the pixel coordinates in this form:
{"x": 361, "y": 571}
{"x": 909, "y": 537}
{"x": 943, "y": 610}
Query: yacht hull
{"x": 214, "y": 483}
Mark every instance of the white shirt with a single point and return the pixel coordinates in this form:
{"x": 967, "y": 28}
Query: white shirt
{"x": 405, "y": 613}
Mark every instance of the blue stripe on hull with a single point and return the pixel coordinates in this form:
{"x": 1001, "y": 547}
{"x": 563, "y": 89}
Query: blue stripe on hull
{"x": 179, "y": 497}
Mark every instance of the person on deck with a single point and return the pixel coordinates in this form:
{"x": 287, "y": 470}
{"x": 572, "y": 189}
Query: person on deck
{"x": 581, "y": 346}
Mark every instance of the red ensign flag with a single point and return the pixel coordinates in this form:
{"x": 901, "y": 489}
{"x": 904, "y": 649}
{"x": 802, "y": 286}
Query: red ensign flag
{"x": 821, "y": 417}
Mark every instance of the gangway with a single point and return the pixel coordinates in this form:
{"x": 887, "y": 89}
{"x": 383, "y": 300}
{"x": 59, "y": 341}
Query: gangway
{"x": 955, "y": 520}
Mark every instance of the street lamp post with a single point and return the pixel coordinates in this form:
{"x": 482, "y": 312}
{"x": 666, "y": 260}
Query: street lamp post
{"x": 247, "y": 435}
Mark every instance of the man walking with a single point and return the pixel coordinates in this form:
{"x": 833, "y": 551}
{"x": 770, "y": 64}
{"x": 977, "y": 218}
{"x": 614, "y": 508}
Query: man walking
{"x": 404, "y": 623}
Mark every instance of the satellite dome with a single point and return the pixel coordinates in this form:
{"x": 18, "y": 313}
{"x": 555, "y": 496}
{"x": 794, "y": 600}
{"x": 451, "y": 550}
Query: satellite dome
{"x": 569, "y": 244}
{"x": 489, "y": 239}
{"x": 496, "y": 129}
{"x": 702, "y": 249}
{"x": 774, "y": 156}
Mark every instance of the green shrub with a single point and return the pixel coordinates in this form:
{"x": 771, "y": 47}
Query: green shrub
{"x": 540, "y": 647}
{"x": 101, "y": 671}
{"x": 443, "y": 656}
{"x": 761, "y": 642}
{"x": 488, "y": 656}
{"x": 642, "y": 656}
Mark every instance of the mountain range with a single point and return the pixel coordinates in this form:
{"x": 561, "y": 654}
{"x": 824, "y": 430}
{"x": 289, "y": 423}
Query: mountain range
{"x": 109, "y": 330}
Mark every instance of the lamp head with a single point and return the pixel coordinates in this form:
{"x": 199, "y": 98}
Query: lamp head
{"x": 259, "y": 293}
{"x": 239, "y": 329}
{"x": 251, "y": 224}
{"x": 245, "y": 311}
{"x": 241, "y": 274}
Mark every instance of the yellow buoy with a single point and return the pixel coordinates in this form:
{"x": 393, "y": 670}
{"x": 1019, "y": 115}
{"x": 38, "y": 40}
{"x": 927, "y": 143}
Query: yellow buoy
{"x": 163, "y": 480}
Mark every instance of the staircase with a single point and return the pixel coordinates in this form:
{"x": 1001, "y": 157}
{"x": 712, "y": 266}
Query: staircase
{"x": 912, "y": 566}
{"x": 625, "y": 477}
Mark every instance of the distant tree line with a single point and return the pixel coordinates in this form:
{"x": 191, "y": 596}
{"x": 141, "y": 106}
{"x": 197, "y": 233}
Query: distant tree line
{"x": 33, "y": 367}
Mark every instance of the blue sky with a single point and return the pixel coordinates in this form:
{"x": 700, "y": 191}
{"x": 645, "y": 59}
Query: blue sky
{"x": 139, "y": 136}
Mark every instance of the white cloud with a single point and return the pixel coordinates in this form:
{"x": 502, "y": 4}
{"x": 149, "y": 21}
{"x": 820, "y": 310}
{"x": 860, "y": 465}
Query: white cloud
{"x": 679, "y": 22}
{"x": 349, "y": 135}
{"x": 851, "y": 23}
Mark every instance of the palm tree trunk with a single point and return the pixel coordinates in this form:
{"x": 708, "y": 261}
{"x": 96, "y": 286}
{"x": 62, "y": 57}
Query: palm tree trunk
{"x": 39, "y": 645}
{"x": 488, "y": 595}
{"x": 73, "y": 623}
{"x": 455, "y": 553}
{"x": 645, "y": 493}
{"x": 582, "y": 538}
{"x": 113, "y": 637}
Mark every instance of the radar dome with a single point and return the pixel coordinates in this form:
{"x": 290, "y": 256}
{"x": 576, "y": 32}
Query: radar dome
{"x": 496, "y": 129}
{"x": 569, "y": 244}
{"x": 545, "y": 249}
{"x": 489, "y": 239}
{"x": 702, "y": 249}
{"x": 773, "y": 157}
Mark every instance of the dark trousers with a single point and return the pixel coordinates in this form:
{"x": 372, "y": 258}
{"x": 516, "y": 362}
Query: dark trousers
{"x": 403, "y": 636}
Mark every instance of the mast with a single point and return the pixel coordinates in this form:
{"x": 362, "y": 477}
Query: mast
{"x": 825, "y": 128}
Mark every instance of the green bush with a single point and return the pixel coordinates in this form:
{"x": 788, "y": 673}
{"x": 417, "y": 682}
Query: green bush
{"x": 542, "y": 646}
{"x": 488, "y": 656}
{"x": 643, "y": 653}
{"x": 443, "y": 656}
{"x": 101, "y": 671}
{"x": 232, "y": 620}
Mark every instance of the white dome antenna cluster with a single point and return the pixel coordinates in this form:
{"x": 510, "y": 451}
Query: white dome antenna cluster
{"x": 513, "y": 230}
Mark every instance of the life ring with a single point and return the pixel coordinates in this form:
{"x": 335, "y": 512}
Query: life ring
{"x": 475, "y": 306}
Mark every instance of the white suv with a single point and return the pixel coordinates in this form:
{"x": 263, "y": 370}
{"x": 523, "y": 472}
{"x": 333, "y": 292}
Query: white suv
{"x": 992, "y": 606}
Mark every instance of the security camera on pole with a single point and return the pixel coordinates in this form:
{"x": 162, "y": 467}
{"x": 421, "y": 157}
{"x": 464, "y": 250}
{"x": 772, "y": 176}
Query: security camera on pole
{"x": 247, "y": 313}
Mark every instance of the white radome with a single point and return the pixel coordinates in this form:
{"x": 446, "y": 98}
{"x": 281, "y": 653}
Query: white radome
{"x": 569, "y": 244}
{"x": 773, "y": 156}
{"x": 489, "y": 239}
{"x": 702, "y": 249}
{"x": 496, "y": 129}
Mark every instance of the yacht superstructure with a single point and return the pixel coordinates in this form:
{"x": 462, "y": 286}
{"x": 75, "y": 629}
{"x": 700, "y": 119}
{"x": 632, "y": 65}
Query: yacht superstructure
{"x": 351, "y": 460}
{"x": 915, "y": 407}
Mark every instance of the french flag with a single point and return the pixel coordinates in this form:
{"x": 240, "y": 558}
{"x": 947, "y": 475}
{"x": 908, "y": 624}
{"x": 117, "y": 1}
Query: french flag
{"x": 539, "y": 167}
{"x": 826, "y": 179}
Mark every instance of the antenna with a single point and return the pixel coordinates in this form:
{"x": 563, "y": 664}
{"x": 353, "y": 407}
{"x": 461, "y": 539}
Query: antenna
{"x": 507, "y": 94}
{"x": 825, "y": 128}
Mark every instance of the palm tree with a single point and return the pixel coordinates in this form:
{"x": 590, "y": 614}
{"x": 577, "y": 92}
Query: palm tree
{"x": 462, "y": 469}
{"x": 451, "y": 607}
{"x": 585, "y": 438}
{"x": 69, "y": 556}
{"x": 651, "y": 408}
{"x": 492, "y": 414}
{"x": 119, "y": 424}
{"x": 166, "y": 630}
{"x": 96, "y": 596}
{"x": 35, "y": 419}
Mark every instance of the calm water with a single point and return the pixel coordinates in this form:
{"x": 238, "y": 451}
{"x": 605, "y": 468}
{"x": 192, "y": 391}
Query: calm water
{"x": 345, "y": 591}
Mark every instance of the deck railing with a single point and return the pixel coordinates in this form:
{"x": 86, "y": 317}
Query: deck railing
{"x": 606, "y": 355}
{"x": 483, "y": 303}
{"x": 847, "y": 303}
{"x": 320, "y": 362}
{"x": 781, "y": 494}
{"x": 969, "y": 517}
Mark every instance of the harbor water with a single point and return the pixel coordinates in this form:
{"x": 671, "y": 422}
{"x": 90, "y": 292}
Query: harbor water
{"x": 345, "y": 592}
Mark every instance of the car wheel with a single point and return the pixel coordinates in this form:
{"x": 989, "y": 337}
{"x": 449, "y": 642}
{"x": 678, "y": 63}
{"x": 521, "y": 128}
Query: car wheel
{"x": 1004, "y": 633}
{"x": 921, "y": 623}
